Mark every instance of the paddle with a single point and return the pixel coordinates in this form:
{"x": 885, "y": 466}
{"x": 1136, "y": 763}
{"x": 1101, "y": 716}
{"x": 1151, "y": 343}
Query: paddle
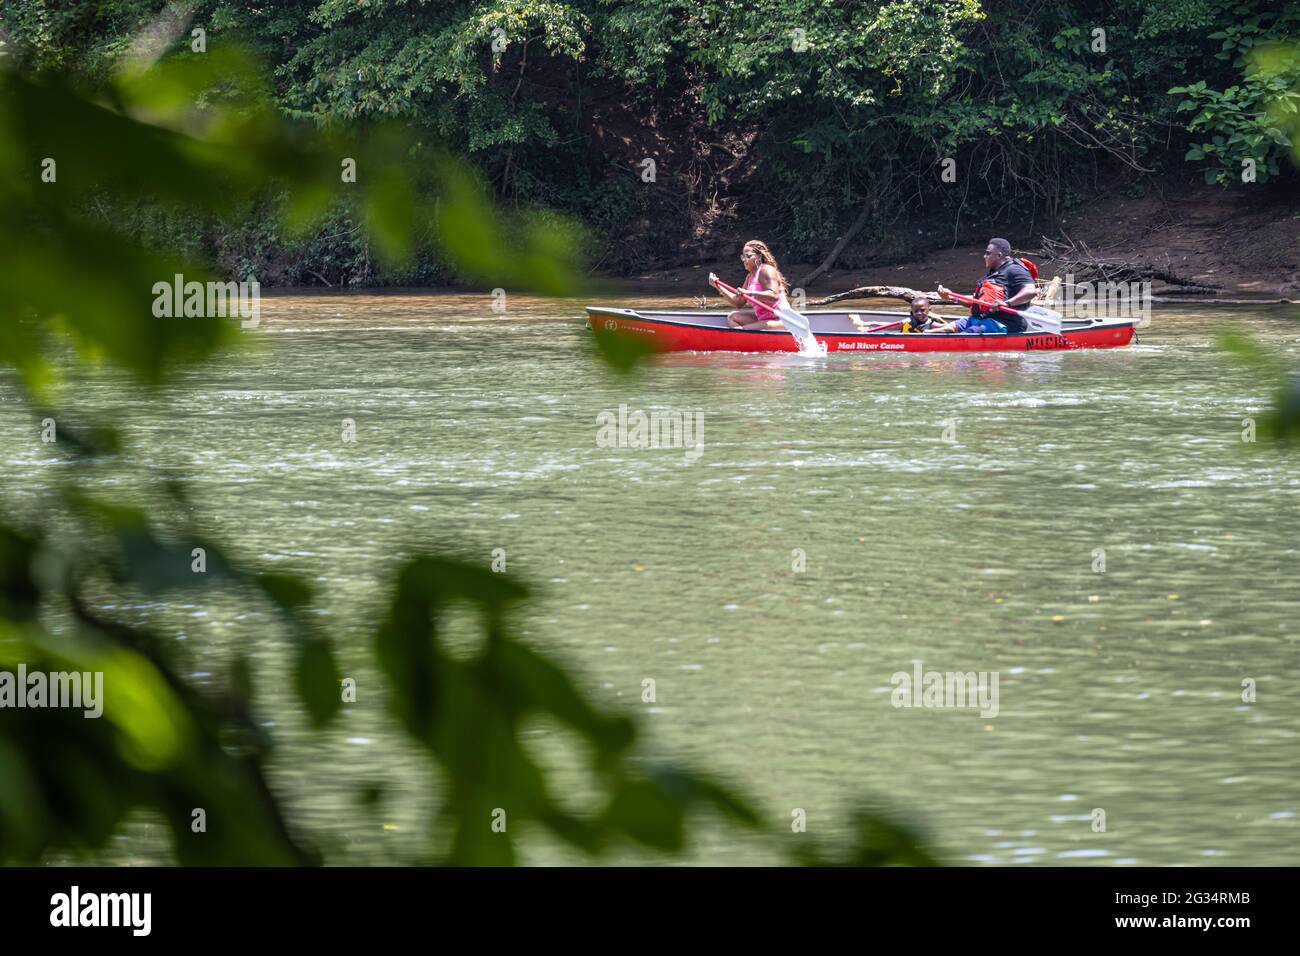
{"x": 794, "y": 323}
{"x": 1037, "y": 318}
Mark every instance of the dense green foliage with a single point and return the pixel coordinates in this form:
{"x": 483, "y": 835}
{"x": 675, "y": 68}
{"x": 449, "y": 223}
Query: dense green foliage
{"x": 785, "y": 117}
{"x": 1255, "y": 124}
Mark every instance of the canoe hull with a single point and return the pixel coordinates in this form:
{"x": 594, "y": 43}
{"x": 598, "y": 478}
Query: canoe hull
{"x": 842, "y": 332}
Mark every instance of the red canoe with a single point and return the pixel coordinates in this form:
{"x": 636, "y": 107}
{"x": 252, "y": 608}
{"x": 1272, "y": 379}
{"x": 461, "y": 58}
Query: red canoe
{"x": 846, "y": 332}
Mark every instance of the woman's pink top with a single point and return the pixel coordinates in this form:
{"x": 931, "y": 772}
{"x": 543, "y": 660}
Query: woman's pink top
{"x": 752, "y": 284}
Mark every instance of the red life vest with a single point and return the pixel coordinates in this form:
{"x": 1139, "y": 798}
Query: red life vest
{"x": 987, "y": 291}
{"x": 990, "y": 291}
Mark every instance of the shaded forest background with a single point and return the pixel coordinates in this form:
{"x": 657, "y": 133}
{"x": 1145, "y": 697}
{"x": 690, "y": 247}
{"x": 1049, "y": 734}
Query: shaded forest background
{"x": 815, "y": 124}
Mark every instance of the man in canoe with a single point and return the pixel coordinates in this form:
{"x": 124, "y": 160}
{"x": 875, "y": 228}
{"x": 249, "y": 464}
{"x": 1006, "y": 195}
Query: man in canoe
{"x": 1008, "y": 282}
{"x": 763, "y": 282}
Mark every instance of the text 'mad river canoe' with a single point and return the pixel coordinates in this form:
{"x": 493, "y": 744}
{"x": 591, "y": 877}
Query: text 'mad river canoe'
{"x": 847, "y": 332}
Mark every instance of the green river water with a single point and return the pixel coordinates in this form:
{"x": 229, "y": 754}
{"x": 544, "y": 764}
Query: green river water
{"x": 947, "y": 509}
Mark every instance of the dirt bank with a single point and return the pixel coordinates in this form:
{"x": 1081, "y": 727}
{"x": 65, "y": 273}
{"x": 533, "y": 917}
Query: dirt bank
{"x": 1245, "y": 243}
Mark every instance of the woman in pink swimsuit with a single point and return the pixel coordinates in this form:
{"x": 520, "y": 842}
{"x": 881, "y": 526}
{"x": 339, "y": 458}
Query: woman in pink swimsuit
{"x": 763, "y": 282}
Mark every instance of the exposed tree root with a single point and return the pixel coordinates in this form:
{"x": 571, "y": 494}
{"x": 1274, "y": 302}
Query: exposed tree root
{"x": 1074, "y": 257}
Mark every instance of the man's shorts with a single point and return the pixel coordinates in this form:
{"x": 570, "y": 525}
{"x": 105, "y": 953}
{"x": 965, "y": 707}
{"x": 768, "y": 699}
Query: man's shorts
{"x": 983, "y": 326}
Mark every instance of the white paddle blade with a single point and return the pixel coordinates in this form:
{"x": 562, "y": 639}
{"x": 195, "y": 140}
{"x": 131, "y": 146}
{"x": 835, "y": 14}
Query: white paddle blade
{"x": 798, "y": 326}
{"x": 1039, "y": 319}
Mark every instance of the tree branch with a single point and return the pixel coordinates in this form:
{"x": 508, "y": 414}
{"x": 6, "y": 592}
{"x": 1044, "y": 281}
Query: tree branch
{"x": 876, "y": 292}
{"x": 843, "y": 241}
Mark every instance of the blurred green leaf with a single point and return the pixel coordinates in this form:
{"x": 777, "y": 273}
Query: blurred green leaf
{"x": 879, "y": 841}
{"x": 318, "y": 680}
{"x": 156, "y": 565}
{"x": 623, "y": 351}
{"x": 527, "y": 681}
{"x": 649, "y": 814}
{"x": 19, "y": 594}
{"x": 390, "y": 214}
{"x": 876, "y": 840}
{"x": 442, "y": 579}
{"x": 90, "y": 441}
{"x": 95, "y": 148}
{"x": 137, "y": 700}
{"x": 467, "y": 229}
{"x": 171, "y": 91}
{"x": 23, "y": 820}
{"x": 1282, "y": 421}
{"x": 407, "y": 654}
{"x": 654, "y": 810}
{"x": 1285, "y": 422}
{"x": 290, "y": 593}
{"x": 542, "y": 256}
{"x": 100, "y": 289}
{"x": 1249, "y": 352}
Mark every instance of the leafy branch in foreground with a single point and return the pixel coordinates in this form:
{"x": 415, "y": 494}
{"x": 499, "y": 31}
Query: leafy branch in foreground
{"x": 162, "y": 743}
{"x": 1252, "y": 123}
{"x": 194, "y": 137}
{"x": 1281, "y": 423}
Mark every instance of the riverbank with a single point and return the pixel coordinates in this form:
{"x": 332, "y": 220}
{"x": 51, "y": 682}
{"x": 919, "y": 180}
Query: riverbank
{"x": 1244, "y": 245}
{"x": 1219, "y": 244}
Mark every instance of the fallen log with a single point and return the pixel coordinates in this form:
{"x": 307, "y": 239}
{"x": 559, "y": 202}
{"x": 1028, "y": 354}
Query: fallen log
{"x": 1175, "y": 300}
{"x": 876, "y": 292}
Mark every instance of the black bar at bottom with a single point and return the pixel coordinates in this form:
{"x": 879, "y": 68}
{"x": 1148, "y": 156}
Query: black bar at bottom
{"x": 334, "y": 906}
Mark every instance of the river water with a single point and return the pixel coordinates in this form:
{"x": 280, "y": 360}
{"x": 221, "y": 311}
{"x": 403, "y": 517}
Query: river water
{"x": 1090, "y": 527}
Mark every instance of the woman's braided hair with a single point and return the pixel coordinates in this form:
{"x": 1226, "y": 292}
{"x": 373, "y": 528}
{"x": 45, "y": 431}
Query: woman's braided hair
{"x": 765, "y": 256}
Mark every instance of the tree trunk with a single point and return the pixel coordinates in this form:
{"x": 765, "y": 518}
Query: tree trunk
{"x": 844, "y": 240}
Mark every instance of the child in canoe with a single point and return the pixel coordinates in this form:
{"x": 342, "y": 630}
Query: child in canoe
{"x": 918, "y": 315}
{"x": 763, "y": 282}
